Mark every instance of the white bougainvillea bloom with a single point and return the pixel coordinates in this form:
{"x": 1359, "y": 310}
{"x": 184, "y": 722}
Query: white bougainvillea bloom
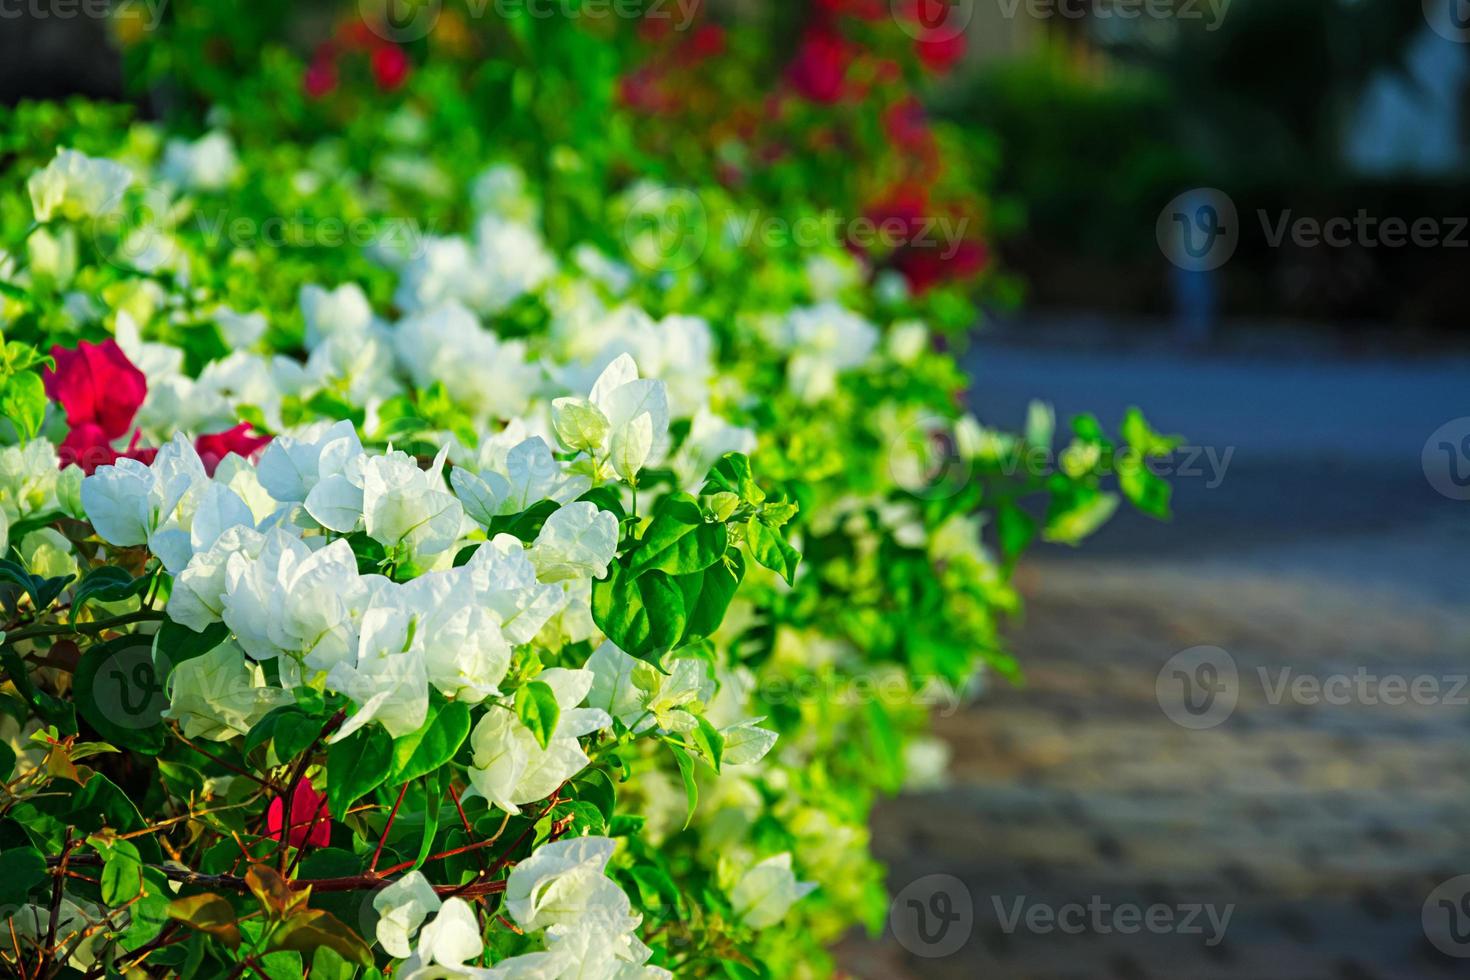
{"x": 623, "y": 421}
{"x": 466, "y": 654}
{"x": 528, "y": 475}
{"x": 386, "y": 677}
{"x": 292, "y": 600}
{"x": 293, "y": 465}
{"x": 824, "y": 340}
{"x": 239, "y": 330}
{"x": 766, "y": 892}
{"x": 501, "y": 190}
{"x": 446, "y": 345}
{"x": 446, "y": 944}
{"x": 206, "y": 164}
{"x": 403, "y": 505}
{"x": 197, "y": 599}
{"x": 505, "y": 582}
{"x": 510, "y": 767}
{"x": 75, "y": 186}
{"x": 402, "y": 907}
{"x": 564, "y": 883}
{"x": 514, "y": 261}
{"x": 221, "y": 694}
{"x": 30, "y": 477}
{"x": 171, "y": 505}
{"x": 577, "y": 541}
{"x": 328, "y": 313}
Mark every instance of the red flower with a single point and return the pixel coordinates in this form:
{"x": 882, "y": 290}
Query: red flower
{"x": 97, "y": 385}
{"x": 820, "y": 70}
{"x": 925, "y": 268}
{"x": 321, "y": 77}
{"x": 311, "y": 821}
{"x": 940, "y": 55}
{"x": 215, "y": 447}
{"x": 390, "y": 66}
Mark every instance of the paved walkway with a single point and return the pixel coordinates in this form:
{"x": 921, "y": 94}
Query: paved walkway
{"x": 1320, "y": 820}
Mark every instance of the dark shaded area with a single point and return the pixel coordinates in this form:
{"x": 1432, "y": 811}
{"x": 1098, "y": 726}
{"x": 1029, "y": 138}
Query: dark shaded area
{"x": 46, "y": 56}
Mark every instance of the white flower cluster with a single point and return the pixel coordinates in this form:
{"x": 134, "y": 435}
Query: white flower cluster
{"x": 561, "y": 892}
{"x": 264, "y": 548}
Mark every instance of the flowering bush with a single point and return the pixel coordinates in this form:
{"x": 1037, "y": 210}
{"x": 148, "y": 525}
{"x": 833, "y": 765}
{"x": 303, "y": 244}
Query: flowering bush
{"x": 395, "y": 583}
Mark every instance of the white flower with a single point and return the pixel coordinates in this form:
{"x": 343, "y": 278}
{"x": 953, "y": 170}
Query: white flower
{"x": 29, "y": 478}
{"x": 505, "y": 582}
{"x": 75, "y": 186}
{"x": 466, "y": 653}
{"x": 510, "y": 767}
{"x": 402, "y": 908}
{"x": 501, "y": 190}
{"x": 328, "y": 313}
{"x": 564, "y": 883}
{"x": 170, "y": 505}
{"x": 404, "y": 505}
{"x": 445, "y": 944}
{"x": 907, "y": 341}
{"x": 291, "y": 600}
{"x": 577, "y": 541}
{"x": 766, "y": 892}
{"x": 825, "y": 340}
{"x": 636, "y": 416}
{"x": 489, "y": 377}
{"x": 292, "y": 466}
{"x": 197, "y": 599}
{"x": 514, "y": 261}
{"x": 387, "y": 678}
{"x": 220, "y": 695}
{"x": 828, "y": 274}
{"x": 207, "y": 164}
{"x": 239, "y": 329}
{"x": 529, "y": 474}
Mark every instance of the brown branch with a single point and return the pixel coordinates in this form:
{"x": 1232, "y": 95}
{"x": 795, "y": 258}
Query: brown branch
{"x": 333, "y": 723}
{"x": 392, "y": 814}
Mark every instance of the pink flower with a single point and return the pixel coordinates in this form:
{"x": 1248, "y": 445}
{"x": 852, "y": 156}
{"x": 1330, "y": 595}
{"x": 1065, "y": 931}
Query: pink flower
{"x": 215, "y": 447}
{"x": 311, "y": 821}
{"x": 96, "y": 385}
{"x": 819, "y": 71}
{"x": 390, "y": 66}
{"x": 321, "y": 77}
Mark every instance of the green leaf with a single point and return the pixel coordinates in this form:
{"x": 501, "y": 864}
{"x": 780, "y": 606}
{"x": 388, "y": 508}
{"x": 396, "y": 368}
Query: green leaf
{"x": 537, "y": 708}
{"x": 642, "y": 614}
{"x": 679, "y": 540}
{"x": 173, "y": 644}
{"x": 709, "y": 740}
{"x": 356, "y": 766}
{"x": 149, "y": 914}
{"x": 25, "y": 868}
{"x": 1015, "y": 529}
{"x": 7, "y": 762}
{"x": 1075, "y": 516}
{"x": 23, "y": 401}
{"x": 606, "y": 498}
{"x": 732, "y": 474}
{"x": 107, "y": 583}
{"x": 434, "y": 744}
{"x": 122, "y": 873}
{"x": 310, "y": 929}
{"x": 707, "y": 594}
{"x": 433, "y": 805}
{"x": 118, "y": 691}
{"x": 1143, "y": 439}
{"x": 593, "y": 786}
{"x": 771, "y": 550}
{"x": 209, "y": 914}
{"x": 525, "y": 525}
{"x": 686, "y": 770}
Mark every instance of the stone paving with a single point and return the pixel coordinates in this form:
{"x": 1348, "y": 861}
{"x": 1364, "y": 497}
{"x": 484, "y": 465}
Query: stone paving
{"x": 1321, "y": 828}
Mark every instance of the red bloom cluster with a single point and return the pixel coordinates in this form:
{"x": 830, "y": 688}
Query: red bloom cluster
{"x": 311, "y": 821}
{"x": 355, "y": 40}
{"x": 852, "y": 76}
{"x": 101, "y": 391}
